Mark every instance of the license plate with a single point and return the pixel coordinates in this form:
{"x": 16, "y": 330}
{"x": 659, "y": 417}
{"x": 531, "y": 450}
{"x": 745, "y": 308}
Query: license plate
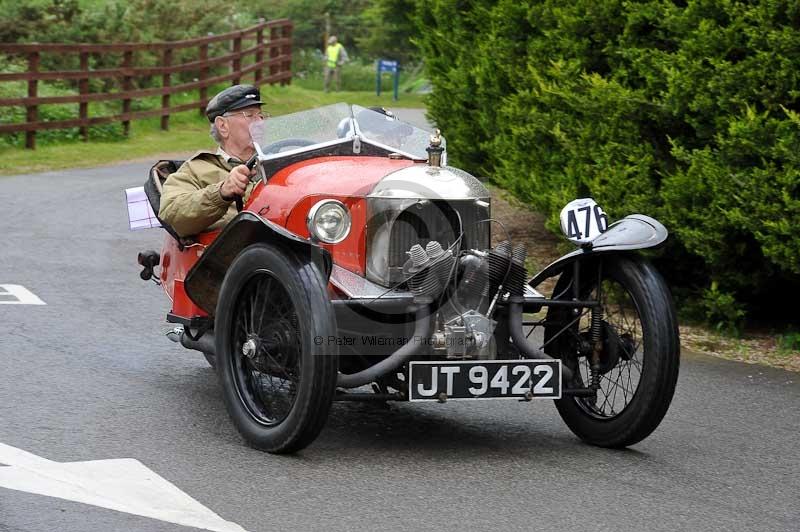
{"x": 485, "y": 379}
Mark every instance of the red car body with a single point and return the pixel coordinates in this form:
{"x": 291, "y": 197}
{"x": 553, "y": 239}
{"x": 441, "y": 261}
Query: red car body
{"x": 285, "y": 200}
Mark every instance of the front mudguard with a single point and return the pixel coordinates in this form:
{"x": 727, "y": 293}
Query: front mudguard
{"x": 204, "y": 280}
{"x": 633, "y": 232}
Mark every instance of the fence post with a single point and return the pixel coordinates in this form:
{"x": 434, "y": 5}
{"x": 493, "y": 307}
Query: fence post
{"x": 204, "y": 75}
{"x": 274, "y": 52}
{"x": 127, "y": 85}
{"x": 32, "y": 111}
{"x": 259, "y": 52}
{"x": 286, "y": 50}
{"x": 165, "y": 83}
{"x": 237, "y": 59}
{"x": 83, "y": 88}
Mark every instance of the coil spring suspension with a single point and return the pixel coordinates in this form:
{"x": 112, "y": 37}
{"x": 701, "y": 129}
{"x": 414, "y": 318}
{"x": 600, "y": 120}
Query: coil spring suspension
{"x": 597, "y": 346}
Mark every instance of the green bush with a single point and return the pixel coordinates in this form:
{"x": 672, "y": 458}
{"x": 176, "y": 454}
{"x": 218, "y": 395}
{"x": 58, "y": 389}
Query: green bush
{"x": 722, "y": 311}
{"x": 685, "y": 111}
{"x": 789, "y": 341}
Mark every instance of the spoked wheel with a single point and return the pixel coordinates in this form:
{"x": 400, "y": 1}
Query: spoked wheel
{"x": 636, "y": 365}
{"x": 268, "y": 371}
{"x": 277, "y": 382}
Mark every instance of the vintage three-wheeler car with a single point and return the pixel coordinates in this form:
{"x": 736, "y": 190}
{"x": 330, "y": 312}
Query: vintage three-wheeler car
{"x": 362, "y": 267}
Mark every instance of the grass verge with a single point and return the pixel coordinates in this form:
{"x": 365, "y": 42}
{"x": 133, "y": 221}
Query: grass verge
{"x": 188, "y": 132}
{"x": 753, "y": 347}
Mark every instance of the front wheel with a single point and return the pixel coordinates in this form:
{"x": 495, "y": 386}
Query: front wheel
{"x": 277, "y": 378}
{"x": 636, "y": 366}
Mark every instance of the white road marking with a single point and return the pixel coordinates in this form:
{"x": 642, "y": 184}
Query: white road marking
{"x": 125, "y": 485}
{"x": 14, "y": 294}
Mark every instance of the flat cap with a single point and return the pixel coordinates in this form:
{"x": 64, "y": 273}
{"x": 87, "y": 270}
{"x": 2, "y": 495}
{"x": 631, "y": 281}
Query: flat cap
{"x": 232, "y": 98}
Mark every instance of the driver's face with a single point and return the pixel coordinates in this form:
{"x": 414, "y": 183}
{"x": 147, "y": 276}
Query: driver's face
{"x": 238, "y": 125}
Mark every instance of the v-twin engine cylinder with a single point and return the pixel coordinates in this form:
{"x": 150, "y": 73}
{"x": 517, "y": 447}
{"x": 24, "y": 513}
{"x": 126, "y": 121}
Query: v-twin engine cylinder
{"x": 469, "y": 288}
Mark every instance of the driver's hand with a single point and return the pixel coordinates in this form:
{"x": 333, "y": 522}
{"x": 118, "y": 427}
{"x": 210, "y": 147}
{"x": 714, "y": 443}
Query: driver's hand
{"x": 236, "y": 182}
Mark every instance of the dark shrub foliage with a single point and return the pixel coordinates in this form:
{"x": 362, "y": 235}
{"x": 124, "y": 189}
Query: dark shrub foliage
{"x": 687, "y": 111}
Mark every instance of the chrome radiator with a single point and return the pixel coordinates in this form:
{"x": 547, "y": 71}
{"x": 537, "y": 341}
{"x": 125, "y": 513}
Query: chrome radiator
{"x": 396, "y": 226}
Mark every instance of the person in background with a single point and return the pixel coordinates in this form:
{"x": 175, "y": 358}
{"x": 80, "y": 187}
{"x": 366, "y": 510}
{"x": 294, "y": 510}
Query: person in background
{"x": 335, "y": 57}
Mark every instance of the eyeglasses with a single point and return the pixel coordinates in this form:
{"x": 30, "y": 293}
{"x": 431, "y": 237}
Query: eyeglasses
{"x": 248, "y": 115}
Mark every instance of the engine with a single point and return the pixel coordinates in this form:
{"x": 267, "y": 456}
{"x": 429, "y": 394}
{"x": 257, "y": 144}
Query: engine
{"x": 468, "y": 288}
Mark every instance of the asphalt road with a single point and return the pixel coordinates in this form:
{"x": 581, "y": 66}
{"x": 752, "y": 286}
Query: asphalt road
{"x": 90, "y": 376}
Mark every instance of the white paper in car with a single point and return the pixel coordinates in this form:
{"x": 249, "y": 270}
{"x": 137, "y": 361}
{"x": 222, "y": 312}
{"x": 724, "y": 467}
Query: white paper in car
{"x": 140, "y": 213}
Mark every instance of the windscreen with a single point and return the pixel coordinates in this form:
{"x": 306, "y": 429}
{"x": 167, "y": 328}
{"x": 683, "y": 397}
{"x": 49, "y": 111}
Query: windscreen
{"x": 297, "y": 130}
{"x": 391, "y": 132}
{"x": 337, "y": 122}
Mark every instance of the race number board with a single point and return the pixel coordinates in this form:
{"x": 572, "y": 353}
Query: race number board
{"x": 583, "y": 220}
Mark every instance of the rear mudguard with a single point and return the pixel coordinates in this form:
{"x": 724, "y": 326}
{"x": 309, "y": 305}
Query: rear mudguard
{"x": 204, "y": 280}
{"x": 635, "y": 231}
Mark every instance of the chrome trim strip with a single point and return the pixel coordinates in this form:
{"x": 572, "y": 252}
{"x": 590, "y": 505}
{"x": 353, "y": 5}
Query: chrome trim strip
{"x": 356, "y": 287}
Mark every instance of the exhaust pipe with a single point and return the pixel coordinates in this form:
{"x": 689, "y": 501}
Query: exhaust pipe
{"x": 422, "y": 330}
{"x": 204, "y": 344}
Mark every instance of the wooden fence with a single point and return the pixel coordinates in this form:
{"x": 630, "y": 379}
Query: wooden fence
{"x": 273, "y": 36}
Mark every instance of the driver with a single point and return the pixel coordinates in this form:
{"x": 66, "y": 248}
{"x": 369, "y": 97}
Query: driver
{"x": 199, "y": 196}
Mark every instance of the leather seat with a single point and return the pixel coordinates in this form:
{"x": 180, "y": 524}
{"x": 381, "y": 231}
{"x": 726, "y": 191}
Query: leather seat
{"x": 153, "y": 188}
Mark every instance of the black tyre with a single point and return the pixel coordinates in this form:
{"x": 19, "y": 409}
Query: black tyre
{"x": 640, "y": 355}
{"x": 277, "y": 382}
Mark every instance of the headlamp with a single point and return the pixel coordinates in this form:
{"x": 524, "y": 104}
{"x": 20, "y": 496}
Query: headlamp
{"x": 329, "y": 221}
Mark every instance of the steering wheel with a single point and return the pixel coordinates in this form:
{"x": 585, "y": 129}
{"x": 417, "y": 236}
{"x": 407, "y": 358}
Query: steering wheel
{"x": 279, "y": 145}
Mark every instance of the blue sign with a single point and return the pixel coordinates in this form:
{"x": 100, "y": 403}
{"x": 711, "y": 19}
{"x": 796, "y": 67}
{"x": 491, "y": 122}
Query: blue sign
{"x": 390, "y": 66}
{"x": 387, "y": 65}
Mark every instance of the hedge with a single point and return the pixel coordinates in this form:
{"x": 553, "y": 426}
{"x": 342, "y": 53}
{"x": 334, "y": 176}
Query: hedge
{"x": 687, "y": 111}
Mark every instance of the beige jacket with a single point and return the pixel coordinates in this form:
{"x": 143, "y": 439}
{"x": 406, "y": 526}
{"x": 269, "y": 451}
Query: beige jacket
{"x": 191, "y": 202}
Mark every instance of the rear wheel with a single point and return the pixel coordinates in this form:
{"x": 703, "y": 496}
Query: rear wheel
{"x": 637, "y": 365}
{"x": 277, "y": 382}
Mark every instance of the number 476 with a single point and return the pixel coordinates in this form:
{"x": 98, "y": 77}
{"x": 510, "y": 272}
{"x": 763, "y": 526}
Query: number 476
{"x": 600, "y": 217}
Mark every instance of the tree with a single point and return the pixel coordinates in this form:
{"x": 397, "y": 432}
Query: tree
{"x": 388, "y": 30}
